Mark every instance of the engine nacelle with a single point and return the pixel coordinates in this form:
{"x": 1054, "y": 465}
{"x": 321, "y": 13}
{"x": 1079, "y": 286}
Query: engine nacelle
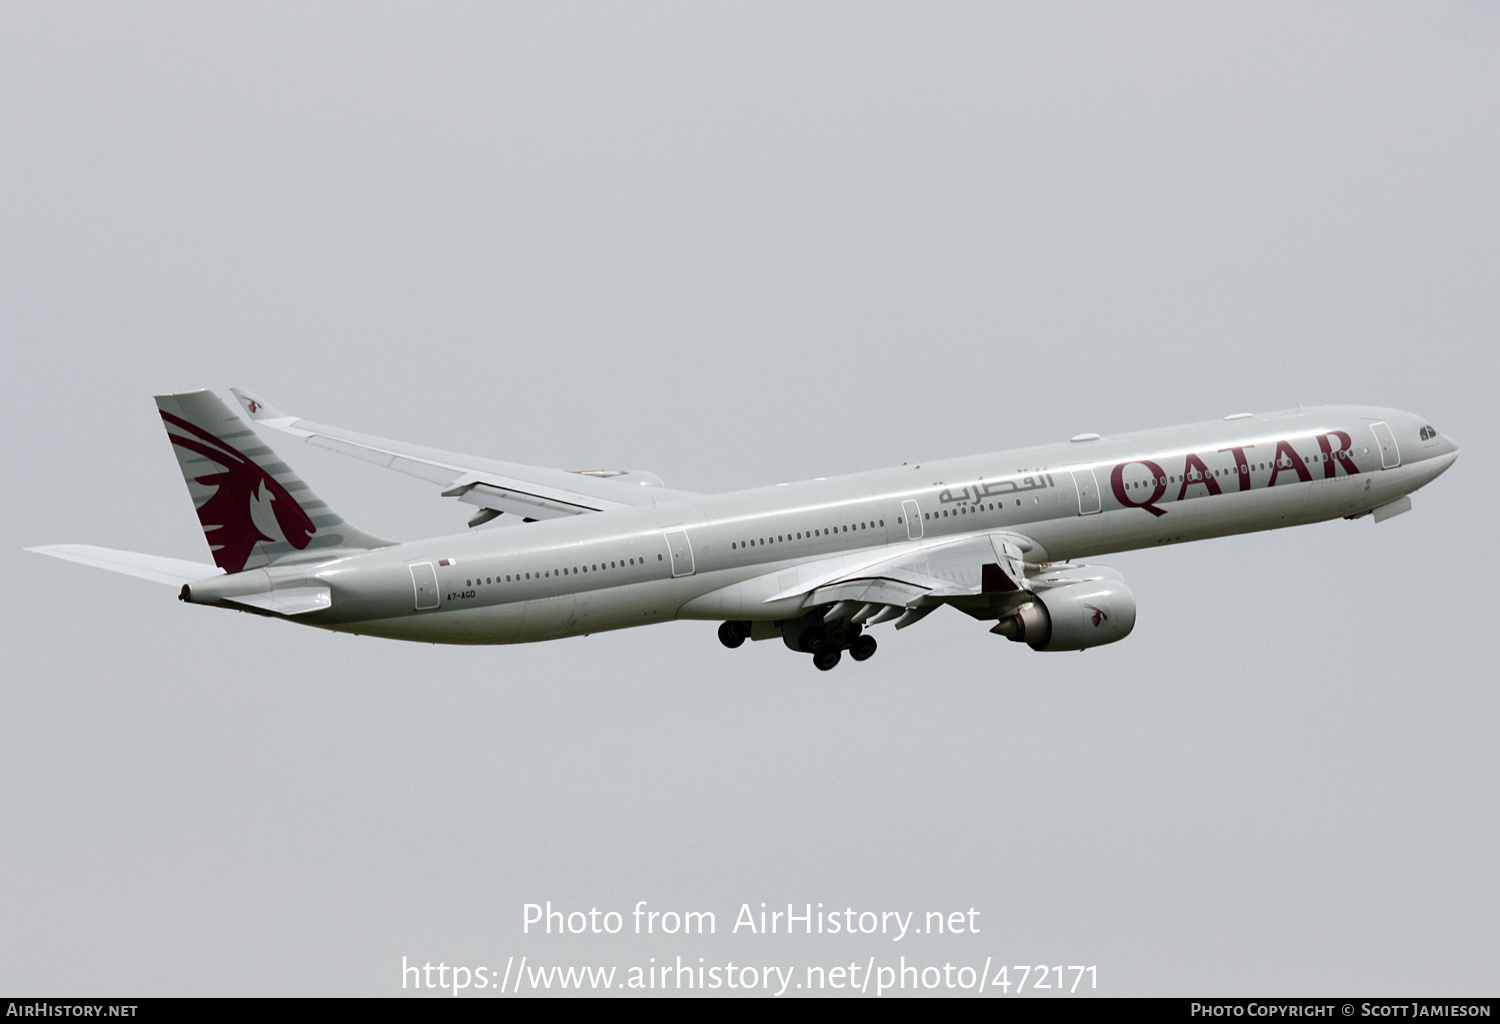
{"x": 1072, "y": 617}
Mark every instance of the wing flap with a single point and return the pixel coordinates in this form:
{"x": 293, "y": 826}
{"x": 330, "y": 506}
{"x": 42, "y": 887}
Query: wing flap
{"x": 910, "y": 581}
{"x": 954, "y": 568}
{"x": 888, "y": 590}
{"x": 522, "y": 502}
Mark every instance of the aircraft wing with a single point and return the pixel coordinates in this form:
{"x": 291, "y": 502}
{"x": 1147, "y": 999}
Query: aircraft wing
{"x": 494, "y": 487}
{"x": 911, "y": 584}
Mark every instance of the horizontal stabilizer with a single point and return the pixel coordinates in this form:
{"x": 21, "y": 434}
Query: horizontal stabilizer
{"x": 172, "y": 571}
{"x": 291, "y": 601}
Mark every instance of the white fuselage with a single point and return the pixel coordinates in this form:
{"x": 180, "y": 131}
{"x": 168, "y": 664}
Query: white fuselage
{"x": 729, "y": 556}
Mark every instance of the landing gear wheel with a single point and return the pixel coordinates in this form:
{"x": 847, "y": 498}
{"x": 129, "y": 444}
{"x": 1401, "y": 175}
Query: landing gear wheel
{"x": 814, "y": 640}
{"x": 826, "y": 660}
{"x": 862, "y": 648}
{"x": 729, "y": 635}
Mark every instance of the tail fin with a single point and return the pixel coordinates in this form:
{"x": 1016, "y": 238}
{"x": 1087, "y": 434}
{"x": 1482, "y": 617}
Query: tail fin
{"x": 253, "y": 508}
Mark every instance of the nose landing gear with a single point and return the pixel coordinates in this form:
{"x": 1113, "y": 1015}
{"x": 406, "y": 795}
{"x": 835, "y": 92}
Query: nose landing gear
{"x": 732, "y": 634}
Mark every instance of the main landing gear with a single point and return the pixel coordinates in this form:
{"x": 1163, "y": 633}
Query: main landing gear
{"x": 860, "y": 649}
{"x": 826, "y": 642}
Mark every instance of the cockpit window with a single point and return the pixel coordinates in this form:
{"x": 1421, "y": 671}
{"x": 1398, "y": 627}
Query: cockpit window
{"x": 1428, "y": 433}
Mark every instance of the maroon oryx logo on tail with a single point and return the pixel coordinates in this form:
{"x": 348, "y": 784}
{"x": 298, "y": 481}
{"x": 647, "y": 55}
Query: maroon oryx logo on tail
{"x": 1099, "y": 615}
{"x": 235, "y": 518}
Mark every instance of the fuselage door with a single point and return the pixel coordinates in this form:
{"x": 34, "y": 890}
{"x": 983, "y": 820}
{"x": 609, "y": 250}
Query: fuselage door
{"x": 913, "y": 516}
{"x": 1088, "y": 491}
{"x": 424, "y": 582}
{"x": 1390, "y": 455}
{"x": 682, "y": 552}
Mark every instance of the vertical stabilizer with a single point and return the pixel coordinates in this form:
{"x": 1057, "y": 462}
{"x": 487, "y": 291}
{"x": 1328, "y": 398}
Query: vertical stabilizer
{"x": 254, "y": 509}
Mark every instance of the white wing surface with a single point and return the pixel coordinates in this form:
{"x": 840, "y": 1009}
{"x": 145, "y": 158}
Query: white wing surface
{"x": 173, "y": 571}
{"x": 495, "y": 487}
{"x": 914, "y": 582}
{"x": 291, "y": 601}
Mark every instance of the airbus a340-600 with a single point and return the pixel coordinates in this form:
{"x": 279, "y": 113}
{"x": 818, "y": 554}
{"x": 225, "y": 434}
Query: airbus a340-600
{"x": 815, "y": 564}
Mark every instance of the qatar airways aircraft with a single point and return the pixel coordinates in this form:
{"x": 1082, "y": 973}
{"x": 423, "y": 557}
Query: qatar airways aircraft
{"x": 814, "y": 563}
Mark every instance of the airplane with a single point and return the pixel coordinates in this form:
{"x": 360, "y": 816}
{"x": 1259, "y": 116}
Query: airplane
{"x": 815, "y": 563}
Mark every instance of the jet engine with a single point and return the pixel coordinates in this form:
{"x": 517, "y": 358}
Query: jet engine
{"x": 1072, "y": 617}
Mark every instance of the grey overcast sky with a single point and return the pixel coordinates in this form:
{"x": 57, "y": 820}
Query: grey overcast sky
{"x": 740, "y": 244}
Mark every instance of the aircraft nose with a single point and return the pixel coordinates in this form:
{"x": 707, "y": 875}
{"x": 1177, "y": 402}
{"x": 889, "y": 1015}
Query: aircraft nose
{"x": 1447, "y": 456}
